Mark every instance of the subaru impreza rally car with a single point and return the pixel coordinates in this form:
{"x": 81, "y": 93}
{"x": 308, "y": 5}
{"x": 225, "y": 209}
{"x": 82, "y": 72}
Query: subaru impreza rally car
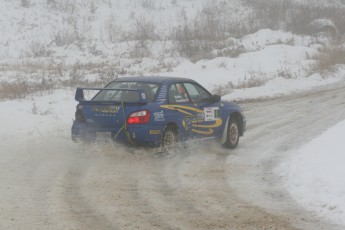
{"x": 156, "y": 111}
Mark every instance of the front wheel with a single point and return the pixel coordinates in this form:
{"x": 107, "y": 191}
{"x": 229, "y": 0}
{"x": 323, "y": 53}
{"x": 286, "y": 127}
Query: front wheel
{"x": 233, "y": 135}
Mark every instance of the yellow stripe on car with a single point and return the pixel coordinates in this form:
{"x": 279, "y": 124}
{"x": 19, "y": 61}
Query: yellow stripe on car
{"x": 203, "y": 129}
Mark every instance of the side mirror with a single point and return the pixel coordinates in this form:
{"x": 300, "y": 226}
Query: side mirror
{"x": 216, "y": 98}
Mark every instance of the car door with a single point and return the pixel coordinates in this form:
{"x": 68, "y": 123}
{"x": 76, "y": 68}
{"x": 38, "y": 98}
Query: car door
{"x": 210, "y": 121}
{"x": 182, "y": 110}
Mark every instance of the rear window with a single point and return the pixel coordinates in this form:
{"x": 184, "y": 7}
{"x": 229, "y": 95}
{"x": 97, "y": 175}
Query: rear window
{"x": 127, "y": 96}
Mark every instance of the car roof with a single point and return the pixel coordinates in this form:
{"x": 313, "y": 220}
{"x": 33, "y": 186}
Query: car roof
{"x": 154, "y": 79}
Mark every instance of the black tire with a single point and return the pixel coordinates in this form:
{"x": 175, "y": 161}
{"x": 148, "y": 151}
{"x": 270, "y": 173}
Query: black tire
{"x": 169, "y": 139}
{"x": 233, "y": 134}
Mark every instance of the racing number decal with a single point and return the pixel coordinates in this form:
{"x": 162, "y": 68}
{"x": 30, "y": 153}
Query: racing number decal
{"x": 211, "y": 113}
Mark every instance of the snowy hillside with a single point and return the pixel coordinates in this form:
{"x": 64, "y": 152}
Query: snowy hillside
{"x": 68, "y": 43}
{"x": 50, "y": 44}
{"x": 77, "y": 30}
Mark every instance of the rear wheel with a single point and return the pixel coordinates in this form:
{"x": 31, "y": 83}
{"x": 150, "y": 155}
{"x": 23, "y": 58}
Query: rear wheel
{"x": 233, "y": 134}
{"x": 169, "y": 139}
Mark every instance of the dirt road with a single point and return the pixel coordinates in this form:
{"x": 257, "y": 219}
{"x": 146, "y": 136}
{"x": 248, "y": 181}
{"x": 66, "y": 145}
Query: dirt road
{"x": 51, "y": 183}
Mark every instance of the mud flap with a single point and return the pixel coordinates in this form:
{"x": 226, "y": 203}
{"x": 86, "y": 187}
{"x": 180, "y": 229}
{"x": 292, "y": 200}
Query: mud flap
{"x": 129, "y": 139}
{"x": 225, "y": 132}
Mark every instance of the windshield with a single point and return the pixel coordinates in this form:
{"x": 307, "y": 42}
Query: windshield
{"x": 127, "y": 96}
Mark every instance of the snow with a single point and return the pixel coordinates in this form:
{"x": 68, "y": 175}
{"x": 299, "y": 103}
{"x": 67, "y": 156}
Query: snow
{"x": 315, "y": 174}
{"x": 44, "y": 22}
{"x": 282, "y": 69}
{"x": 280, "y": 62}
{"x": 281, "y": 86}
{"x": 40, "y": 113}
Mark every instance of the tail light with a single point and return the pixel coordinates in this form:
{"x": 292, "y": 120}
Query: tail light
{"x": 139, "y": 117}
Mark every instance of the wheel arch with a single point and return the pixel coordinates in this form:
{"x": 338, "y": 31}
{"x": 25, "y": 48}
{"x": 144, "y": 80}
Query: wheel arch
{"x": 173, "y": 126}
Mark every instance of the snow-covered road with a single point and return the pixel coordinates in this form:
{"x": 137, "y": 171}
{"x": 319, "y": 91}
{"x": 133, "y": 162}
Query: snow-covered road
{"x": 48, "y": 182}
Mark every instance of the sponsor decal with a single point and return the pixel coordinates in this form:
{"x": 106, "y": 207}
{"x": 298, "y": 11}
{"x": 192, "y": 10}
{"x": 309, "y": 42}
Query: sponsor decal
{"x": 159, "y": 116}
{"x": 161, "y": 98}
{"x": 104, "y": 115}
{"x": 105, "y": 109}
{"x": 143, "y": 96}
{"x": 192, "y": 119}
{"x": 188, "y": 122}
{"x": 128, "y": 83}
{"x": 201, "y": 117}
{"x": 179, "y": 99}
{"x": 155, "y": 132}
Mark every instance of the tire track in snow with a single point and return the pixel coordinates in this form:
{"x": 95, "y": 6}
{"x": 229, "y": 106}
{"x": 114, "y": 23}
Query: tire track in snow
{"x": 60, "y": 185}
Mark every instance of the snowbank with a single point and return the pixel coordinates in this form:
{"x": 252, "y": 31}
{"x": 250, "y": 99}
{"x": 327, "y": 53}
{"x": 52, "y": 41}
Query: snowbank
{"x": 36, "y": 116}
{"x": 315, "y": 176}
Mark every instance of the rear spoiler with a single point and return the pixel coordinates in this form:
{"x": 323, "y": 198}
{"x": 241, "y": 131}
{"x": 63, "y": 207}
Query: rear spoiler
{"x": 79, "y": 95}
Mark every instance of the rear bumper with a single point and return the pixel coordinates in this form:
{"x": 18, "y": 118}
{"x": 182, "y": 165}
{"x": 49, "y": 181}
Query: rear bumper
{"x": 137, "y": 135}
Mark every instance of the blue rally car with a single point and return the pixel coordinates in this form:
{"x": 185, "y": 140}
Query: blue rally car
{"x": 156, "y": 111}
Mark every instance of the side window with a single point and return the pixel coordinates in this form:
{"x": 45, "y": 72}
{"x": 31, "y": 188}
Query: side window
{"x": 196, "y": 93}
{"x": 177, "y": 94}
